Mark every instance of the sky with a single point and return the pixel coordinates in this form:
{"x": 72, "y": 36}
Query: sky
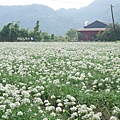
{"x": 55, "y": 4}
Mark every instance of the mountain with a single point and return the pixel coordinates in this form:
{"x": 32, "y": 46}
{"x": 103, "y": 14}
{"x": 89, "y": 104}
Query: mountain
{"x": 59, "y": 21}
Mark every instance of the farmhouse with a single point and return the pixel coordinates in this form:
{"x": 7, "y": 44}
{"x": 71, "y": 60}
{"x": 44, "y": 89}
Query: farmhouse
{"x": 90, "y": 30}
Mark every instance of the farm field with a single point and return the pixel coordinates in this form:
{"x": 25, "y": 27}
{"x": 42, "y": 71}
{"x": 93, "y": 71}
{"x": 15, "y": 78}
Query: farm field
{"x": 59, "y": 81}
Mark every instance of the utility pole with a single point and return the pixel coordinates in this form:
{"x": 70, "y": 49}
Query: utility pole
{"x": 113, "y": 18}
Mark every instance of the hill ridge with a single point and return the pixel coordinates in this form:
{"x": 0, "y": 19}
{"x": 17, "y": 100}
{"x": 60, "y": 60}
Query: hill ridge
{"x": 57, "y": 21}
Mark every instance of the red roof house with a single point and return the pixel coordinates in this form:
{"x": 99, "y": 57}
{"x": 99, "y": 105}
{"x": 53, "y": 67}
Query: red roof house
{"x": 89, "y": 31}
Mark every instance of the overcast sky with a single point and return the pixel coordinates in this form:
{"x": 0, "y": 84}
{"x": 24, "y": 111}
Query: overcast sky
{"x": 55, "y": 4}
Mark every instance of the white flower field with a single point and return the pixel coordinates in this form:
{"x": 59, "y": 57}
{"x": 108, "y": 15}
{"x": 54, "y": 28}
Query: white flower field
{"x": 59, "y": 81}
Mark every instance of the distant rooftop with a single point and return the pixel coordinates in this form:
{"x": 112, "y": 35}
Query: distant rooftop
{"x": 92, "y": 29}
{"x": 97, "y": 24}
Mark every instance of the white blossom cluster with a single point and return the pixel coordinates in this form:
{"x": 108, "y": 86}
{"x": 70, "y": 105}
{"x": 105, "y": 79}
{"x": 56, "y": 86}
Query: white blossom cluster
{"x": 59, "y": 81}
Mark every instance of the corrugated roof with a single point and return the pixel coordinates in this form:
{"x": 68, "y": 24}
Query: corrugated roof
{"x": 91, "y": 29}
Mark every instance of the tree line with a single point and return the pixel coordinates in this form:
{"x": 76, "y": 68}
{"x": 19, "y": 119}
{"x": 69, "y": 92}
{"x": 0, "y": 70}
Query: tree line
{"x": 12, "y": 32}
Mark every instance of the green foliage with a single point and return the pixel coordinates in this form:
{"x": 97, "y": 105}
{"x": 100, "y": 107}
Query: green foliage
{"x": 23, "y": 33}
{"x": 110, "y": 34}
{"x": 72, "y": 35}
{"x": 79, "y": 36}
{"x": 52, "y": 36}
{"x": 100, "y": 36}
{"x": 10, "y": 32}
{"x": 37, "y": 32}
{"x": 13, "y": 32}
{"x": 45, "y": 37}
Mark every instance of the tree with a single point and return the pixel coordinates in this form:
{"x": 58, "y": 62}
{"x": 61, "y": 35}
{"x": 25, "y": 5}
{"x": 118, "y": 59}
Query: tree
{"x": 72, "y": 35}
{"x": 100, "y": 37}
{"x": 5, "y": 33}
{"x": 23, "y": 34}
{"x": 110, "y": 34}
{"x": 14, "y": 31}
{"x": 79, "y": 36}
{"x": 10, "y": 32}
{"x": 117, "y": 31}
{"x": 37, "y": 31}
{"x": 52, "y": 36}
{"x": 45, "y": 37}
{"x": 36, "y": 28}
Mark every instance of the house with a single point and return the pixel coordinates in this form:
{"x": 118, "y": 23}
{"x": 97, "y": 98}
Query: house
{"x": 90, "y": 30}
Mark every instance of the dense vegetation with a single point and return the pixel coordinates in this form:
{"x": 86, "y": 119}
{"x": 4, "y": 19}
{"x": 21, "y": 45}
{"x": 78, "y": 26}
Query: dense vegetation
{"x": 110, "y": 33}
{"x": 12, "y": 32}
